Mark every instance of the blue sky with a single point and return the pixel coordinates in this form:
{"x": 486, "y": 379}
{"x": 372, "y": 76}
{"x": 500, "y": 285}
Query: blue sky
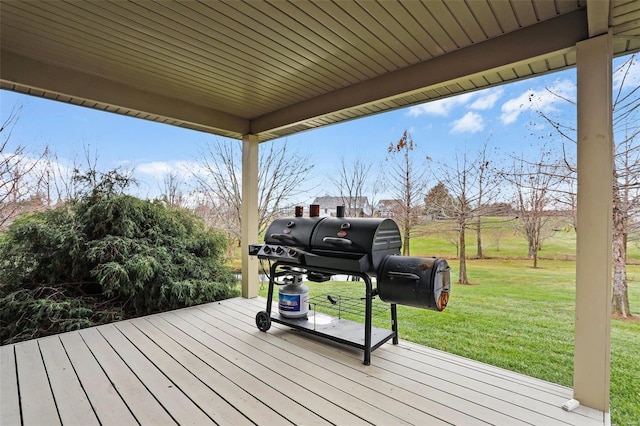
{"x": 501, "y": 114}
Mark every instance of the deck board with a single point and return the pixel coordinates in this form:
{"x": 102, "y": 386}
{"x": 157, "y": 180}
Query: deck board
{"x": 345, "y": 366}
{"x": 205, "y": 398}
{"x": 36, "y": 398}
{"x": 225, "y": 390}
{"x": 209, "y": 364}
{"x": 9, "y": 402}
{"x": 504, "y": 382}
{"x": 145, "y": 408}
{"x": 249, "y": 371}
{"x": 314, "y": 375}
{"x": 71, "y": 400}
{"x": 107, "y": 403}
{"x": 171, "y": 397}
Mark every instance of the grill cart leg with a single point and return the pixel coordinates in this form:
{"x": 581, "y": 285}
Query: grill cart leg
{"x": 263, "y": 318}
{"x": 367, "y": 319}
{"x": 272, "y": 277}
{"x": 394, "y": 323}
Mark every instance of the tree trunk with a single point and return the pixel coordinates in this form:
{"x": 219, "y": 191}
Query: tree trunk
{"x": 620, "y": 296}
{"x": 407, "y": 239}
{"x": 479, "y": 237}
{"x": 462, "y": 276}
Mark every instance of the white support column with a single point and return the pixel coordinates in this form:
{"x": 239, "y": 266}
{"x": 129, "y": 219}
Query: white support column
{"x": 249, "y": 214}
{"x": 591, "y": 375}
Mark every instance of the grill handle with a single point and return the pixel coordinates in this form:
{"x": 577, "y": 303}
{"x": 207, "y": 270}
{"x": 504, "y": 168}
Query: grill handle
{"x": 282, "y": 237}
{"x": 337, "y": 241}
{"x": 407, "y": 275}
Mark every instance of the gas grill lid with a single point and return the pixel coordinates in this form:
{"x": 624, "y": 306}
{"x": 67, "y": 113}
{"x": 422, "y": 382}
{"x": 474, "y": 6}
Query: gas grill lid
{"x": 293, "y": 231}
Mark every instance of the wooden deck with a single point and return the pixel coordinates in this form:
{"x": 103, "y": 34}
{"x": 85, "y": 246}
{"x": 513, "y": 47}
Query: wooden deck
{"x": 210, "y": 365}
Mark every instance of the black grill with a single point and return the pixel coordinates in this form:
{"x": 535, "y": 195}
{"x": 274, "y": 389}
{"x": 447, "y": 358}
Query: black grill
{"x": 344, "y": 244}
{"x": 361, "y": 247}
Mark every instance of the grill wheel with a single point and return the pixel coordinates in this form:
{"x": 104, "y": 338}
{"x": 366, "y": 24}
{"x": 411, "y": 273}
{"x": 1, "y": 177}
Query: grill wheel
{"x": 263, "y": 321}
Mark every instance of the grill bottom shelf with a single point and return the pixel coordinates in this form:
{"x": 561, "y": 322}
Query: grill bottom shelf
{"x": 339, "y": 330}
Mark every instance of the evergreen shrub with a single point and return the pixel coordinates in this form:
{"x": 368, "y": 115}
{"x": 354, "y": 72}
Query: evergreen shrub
{"x": 102, "y": 258}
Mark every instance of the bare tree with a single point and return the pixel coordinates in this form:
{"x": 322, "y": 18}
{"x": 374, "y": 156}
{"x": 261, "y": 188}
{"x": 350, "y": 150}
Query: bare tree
{"x": 16, "y": 184}
{"x": 626, "y": 181}
{"x": 487, "y": 190}
{"x": 535, "y": 184}
{"x": 281, "y": 174}
{"x": 353, "y": 184}
{"x": 220, "y": 187}
{"x": 53, "y": 180}
{"x": 626, "y": 206}
{"x": 407, "y": 181}
{"x": 31, "y": 182}
{"x": 172, "y": 193}
{"x": 470, "y": 181}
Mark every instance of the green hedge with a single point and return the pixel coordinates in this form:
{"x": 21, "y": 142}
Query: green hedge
{"x": 105, "y": 257}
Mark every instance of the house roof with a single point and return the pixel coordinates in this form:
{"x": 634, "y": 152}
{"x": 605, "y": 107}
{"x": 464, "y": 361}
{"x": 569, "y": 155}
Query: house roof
{"x": 390, "y": 201}
{"x": 327, "y": 202}
{"x": 273, "y": 69}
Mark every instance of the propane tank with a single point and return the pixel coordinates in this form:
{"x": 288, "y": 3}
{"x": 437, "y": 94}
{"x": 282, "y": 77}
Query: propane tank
{"x": 293, "y": 297}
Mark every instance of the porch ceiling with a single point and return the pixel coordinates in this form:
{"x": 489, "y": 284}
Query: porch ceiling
{"x": 277, "y": 68}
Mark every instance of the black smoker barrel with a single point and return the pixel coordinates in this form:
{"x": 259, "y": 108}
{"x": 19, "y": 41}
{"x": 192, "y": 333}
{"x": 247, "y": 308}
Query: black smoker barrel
{"x": 414, "y": 281}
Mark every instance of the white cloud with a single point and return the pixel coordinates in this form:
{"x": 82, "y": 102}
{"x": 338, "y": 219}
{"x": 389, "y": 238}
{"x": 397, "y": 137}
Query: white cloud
{"x": 481, "y": 100}
{"x": 487, "y": 99}
{"x": 471, "y": 122}
{"x": 441, "y": 107}
{"x": 514, "y": 107}
{"x": 158, "y": 169}
{"x": 545, "y": 100}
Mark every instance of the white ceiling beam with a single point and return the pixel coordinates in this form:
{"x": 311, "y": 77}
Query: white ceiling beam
{"x": 38, "y": 75}
{"x": 598, "y": 12}
{"x": 553, "y": 35}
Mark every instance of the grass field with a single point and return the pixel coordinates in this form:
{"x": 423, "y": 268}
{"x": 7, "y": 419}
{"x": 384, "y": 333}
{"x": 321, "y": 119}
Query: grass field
{"x": 514, "y": 316}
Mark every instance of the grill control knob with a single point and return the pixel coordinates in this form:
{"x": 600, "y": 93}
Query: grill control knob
{"x": 279, "y": 250}
{"x": 266, "y": 249}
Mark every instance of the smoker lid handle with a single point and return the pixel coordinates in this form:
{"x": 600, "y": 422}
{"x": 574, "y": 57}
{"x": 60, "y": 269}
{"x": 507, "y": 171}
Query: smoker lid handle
{"x": 337, "y": 241}
{"x": 407, "y": 275}
{"x": 282, "y": 237}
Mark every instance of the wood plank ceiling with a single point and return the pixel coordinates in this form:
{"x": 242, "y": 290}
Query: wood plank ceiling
{"x": 274, "y": 68}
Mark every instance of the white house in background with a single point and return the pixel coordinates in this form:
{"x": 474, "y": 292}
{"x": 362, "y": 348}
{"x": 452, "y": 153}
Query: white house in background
{"x": 328, "y": 205}
{"x": 388, "y": 208}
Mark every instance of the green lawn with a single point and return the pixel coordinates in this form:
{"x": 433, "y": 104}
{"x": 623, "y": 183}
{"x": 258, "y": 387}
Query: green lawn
{"x": 521, "y": 319}
{"x": 500, "y": 239}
